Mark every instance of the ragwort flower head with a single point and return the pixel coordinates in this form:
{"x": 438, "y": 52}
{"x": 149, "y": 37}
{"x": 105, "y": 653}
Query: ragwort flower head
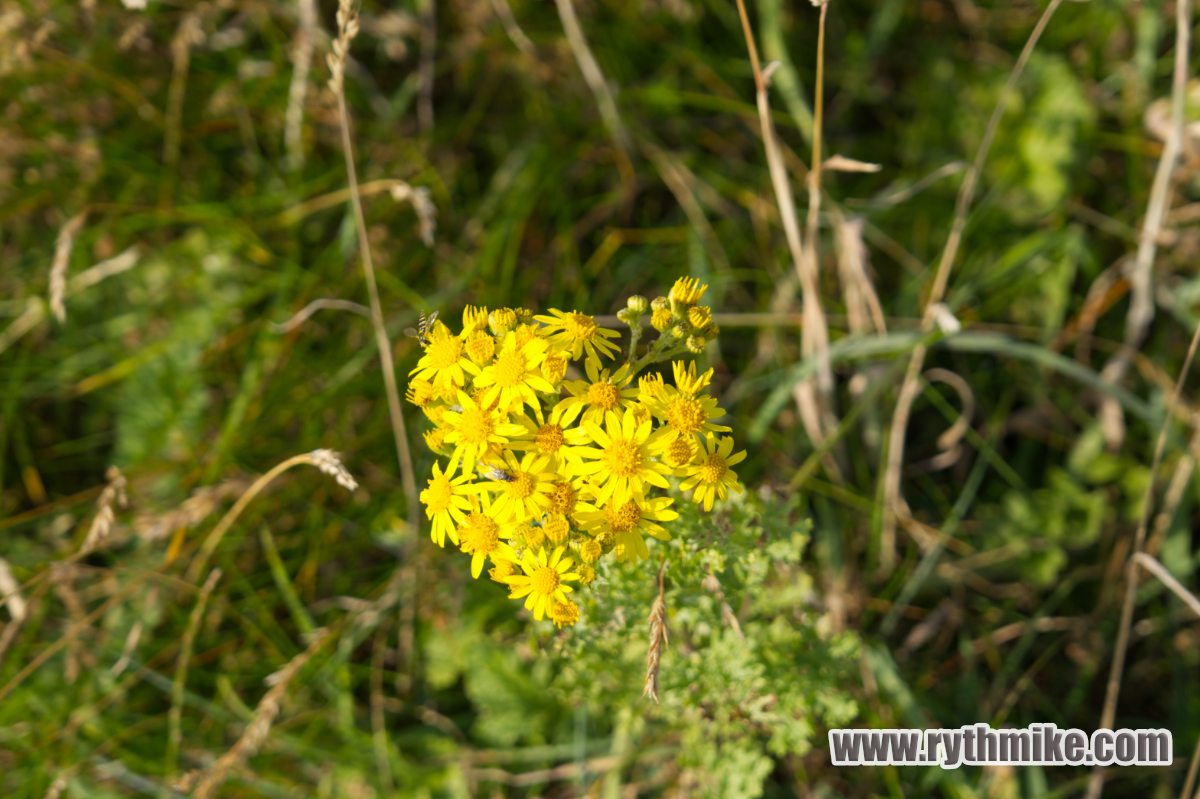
{"x": 549, "y": 476}
{"x": 576, "y": 333}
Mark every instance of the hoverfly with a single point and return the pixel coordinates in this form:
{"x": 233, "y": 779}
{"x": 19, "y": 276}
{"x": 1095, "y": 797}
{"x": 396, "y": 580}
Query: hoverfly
{"x": 424, "y": 325}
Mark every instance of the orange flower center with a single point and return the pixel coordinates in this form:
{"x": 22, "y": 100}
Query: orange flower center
{"x": 624, "y": 518}
{"x": 510, "y": 369}
{"x": 544, "y": 581}
{"x": 623, "y": 458}
{"x": 686, "y": 415}
{"x": 479, "y": 533}
{"x": 581, "y": 327}
{"x": 603, "y": 395}
{"x": 549, "y": 437}
{"x": 444, "y": 352}
{"x": 438, "y": 495}
{"x": 713, "y": 469}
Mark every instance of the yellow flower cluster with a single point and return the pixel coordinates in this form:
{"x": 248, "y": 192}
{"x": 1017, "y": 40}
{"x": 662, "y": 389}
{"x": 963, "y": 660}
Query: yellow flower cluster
{"x": 548, "y": 474}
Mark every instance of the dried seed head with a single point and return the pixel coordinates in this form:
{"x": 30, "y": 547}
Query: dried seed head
{"x": 330, "y": 462}
{"x": 63, "y": 247}
{"x": 102, "y": 525}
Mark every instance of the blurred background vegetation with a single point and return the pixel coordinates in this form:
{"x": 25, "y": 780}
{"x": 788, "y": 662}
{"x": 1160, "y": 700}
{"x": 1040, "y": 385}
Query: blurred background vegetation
{"x": 155, "y": 143}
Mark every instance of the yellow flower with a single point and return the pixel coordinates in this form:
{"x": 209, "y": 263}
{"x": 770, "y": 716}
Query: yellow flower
{"x": 711, "y": 475}
{"x": 590, "y": 551}
{"x": 444, "y": 362}
{"x": 628, "y": 521}
{"x": 688, "y": 414}
{"x": 514, "y": 376}
{"x": 544, "y": 581}
{"x": 551, "y": 439}
{"x": 503, "y": 570}
{"x": 699, "y": 317}
{"x": 523, "y": 487}
{"x": 481, "y": 348}
{"x": 420, "y": 392}
{"x": 680, "y": 453}
{"x": 687, "y": 291}
{"x": 472, "y": 429}
{"x": 622, "y": 463}
{"x": 565, "y": 613}
{"x": 445, "y": 502}
{"x": 557, "y": 529}
{"x": 474, "y": 320}
{"x": 481, "y": 535}
{"x": 686, "y": 380}
{"x": 576, "y": 332}
{"x": 435, "y": 439}
{"x": 554, "y": 368}
{"x": 586, "y": 574}
{"x": 600, "y": 393}
{"x": 502, "y": 320}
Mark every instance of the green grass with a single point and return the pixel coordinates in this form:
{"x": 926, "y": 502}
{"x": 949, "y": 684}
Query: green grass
{"x": 173, "y": 371}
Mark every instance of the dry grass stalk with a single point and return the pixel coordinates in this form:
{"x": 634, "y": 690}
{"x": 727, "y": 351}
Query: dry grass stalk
{"x": 175, "y": 715}
{"x": 674, "y": 176}
{"x": 193, "y": 510}
{"x": 863, "y": 309}
{"x": 347, "y": 18}
{"x": 423, "y": 206}
{"x": 63, "y": 580}
{"x": 302, "y": 53}
{"x": 949, "y": 442}
{"x": 188, "y": 35}
{"x": 105, "y": 269}
{"x": 594, "y": 77}
{"x": 324, "y": 304}
{"x": 1141, "y": 294}
{"x": 135, "y": 632}
{"x": 892, "y": 505}
{"x": 1175, "y": 492}
{"x": 1113, "y": 689}
{"x": 35, "y": 311}
{"x": 425, "y": 67}
{"x": 102, "y": 524}
{"x": 264, "y": 716}
{"x": 11, "y": 629}
{"x": 10, "y": 590}
{"x": 63, "y": 246}
{"x": 323, "y": 459}
{"x": 504, "y": 12}
{"x": 814, "y": 335}
{"x": 71, "y": 633}
{"x": 658, "y": 639}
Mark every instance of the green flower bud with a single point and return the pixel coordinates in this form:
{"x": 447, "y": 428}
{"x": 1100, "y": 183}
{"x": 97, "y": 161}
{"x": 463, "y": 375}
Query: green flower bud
{"x": 638, "y": 304}
{"x": 696, "y": 344}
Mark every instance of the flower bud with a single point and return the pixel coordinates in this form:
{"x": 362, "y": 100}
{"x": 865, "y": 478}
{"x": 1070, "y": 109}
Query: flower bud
{"x": 660, "y": 303}
{"x": 699, "y": 316}
{"x": 586, "y": 573}
{"x": 696, "y": 344}
{"x": 660, "y": 320}
{"x": 629, "y": 316}
{"x": 502, "y": 320}
{"x": 681, "y": 329}
{"x": 638, "y": 304}
{"x": 711, "y": 331}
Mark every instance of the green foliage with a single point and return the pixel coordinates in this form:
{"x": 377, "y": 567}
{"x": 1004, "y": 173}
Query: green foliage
{"x": 174, "y": 370}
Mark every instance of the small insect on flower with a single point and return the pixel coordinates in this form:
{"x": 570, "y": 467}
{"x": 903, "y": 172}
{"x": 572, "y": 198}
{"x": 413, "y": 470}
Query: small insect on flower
{"x": 496, "y": 473}
{"x": 421, "y": 332}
